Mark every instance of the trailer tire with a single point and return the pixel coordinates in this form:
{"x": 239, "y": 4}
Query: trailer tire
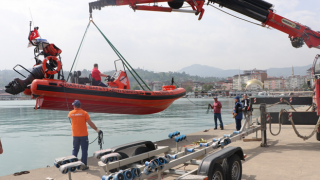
{"x": 217, "y": 173}
{"x": 318, "y": 136}
{"x": 235, "y": 168}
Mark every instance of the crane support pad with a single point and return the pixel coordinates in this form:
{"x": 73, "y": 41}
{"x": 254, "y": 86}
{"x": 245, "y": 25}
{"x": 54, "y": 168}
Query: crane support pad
{"x": 299, "y": 118}
{"x": 208, "y": 162}
{"x": 273, "y": 100}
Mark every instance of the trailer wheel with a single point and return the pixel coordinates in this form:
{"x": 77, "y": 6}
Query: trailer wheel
{"x": 217, "y": 172}
{"x": 235, "y": 168}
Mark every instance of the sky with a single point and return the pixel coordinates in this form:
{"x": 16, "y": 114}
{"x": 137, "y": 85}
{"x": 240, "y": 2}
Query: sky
{"x": 155, "y": 41}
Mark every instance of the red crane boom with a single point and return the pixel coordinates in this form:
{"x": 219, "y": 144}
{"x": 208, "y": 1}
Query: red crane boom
{"x": 259, "y": 10}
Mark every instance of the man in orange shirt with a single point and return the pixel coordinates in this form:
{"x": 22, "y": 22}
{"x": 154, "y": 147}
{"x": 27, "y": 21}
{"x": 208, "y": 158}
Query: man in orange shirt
{"x": 79, "y": 119}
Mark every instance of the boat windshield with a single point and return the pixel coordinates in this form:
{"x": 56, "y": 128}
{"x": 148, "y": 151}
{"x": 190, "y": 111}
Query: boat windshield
{"x": 316, "y": 65}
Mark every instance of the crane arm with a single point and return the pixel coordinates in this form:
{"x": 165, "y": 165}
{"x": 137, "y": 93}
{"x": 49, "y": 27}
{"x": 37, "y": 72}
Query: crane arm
{"x": 259, "y": 10}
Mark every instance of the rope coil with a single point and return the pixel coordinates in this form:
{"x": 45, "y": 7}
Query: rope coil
{"x": 292, "y": 123}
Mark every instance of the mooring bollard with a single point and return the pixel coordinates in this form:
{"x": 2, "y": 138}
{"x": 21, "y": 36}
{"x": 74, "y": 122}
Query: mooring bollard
{"x": 263, "y": 114}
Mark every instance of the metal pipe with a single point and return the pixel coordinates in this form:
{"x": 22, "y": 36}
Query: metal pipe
{"x": 183, "y": 10}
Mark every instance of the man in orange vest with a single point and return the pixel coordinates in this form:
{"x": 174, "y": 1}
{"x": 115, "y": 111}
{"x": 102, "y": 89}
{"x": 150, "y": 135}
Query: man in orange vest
{"x": 79, "y": 119}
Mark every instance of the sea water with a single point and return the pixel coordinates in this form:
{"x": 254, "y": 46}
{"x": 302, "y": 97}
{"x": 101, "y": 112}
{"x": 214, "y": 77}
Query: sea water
{"x": 34, "y": 138}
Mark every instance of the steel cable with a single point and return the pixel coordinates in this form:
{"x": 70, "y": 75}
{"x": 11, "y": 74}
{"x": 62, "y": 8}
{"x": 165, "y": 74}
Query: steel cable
{"x": 239, "y": 17}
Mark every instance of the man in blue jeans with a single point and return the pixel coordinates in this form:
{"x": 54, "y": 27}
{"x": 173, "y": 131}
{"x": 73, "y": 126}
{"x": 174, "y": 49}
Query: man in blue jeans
{"x": 216, "y": 106}
{"x": 237, "y": 112}
{"x": 80, "y": 118}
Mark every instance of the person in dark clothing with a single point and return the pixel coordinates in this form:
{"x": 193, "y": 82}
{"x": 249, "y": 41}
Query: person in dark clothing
{"x": 237, "y": 112}
{"x": 246, "y": 105}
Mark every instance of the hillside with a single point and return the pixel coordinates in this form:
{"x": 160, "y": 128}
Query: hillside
{"x": 206, "y": 71}
{"x": 7, "y": 76}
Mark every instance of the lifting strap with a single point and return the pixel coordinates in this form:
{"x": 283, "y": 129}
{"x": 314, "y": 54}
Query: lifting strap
{"x": 125, "y": 62}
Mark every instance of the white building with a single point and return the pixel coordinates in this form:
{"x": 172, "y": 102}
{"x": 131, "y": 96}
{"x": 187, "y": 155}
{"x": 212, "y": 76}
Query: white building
{"x": 295, "y": 81}
{"x": 243, "y": 80}
{"x": 157, "y": 85}
{"x": 310, "y": 76}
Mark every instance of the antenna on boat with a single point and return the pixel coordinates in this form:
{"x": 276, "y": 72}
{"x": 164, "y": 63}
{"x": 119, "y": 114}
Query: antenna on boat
{"x": 31, "y": 18}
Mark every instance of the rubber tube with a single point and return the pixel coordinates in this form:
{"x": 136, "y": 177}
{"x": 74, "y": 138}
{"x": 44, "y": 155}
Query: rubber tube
{"x": 72, "y": 169}
{"x": 128, "y": 175}
{"x": 177, "y": 139}
{"x": 215, "y": 140}
{"x": 161, "y": 161}
{"x": 107, "y": 177}
{"x": 119, "y": 176}
{"x": 190, "y": 150}
{"x": 136, "y": 172}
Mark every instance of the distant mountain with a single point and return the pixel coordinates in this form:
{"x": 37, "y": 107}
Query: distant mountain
{"x": 209, "y": 71}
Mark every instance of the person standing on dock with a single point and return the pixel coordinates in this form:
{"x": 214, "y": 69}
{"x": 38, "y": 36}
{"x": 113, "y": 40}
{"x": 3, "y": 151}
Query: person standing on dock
{"x": 79, "y": 119}
{"x": 246, "y": 105}
{"x": 1, "y": 149}
{"x": 216, "y": 106}
{"x": 237, "y": 112}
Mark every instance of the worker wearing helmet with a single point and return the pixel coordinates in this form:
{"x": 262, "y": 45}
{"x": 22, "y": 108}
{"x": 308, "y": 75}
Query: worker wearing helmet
{"x": 96, "y": 76}
{"x": 79, "y": 119}
{"x": 237, "y": 112}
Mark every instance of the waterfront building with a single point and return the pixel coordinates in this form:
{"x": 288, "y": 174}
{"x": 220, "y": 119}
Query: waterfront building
{"x": 227, "y": 85}
{"x": 274, "y": 84}
{"x": 310, "y": 76}
{"x": 157, "y": 85}
{"x": 247, "y": 75}
{"x": 295, "y": 81}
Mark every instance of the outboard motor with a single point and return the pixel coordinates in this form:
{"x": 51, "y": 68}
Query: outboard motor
{"x": 17, "y": 85}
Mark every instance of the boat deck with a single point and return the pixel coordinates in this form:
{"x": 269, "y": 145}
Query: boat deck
{"x": 287, "y": 157}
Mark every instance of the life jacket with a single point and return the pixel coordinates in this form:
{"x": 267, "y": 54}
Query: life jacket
{"x": 239, "y": 115}
{"x": 51, "y": 50}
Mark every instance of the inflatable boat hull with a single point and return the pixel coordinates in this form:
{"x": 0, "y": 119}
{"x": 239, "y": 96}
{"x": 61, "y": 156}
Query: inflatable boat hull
{"x": 58, "y": 95}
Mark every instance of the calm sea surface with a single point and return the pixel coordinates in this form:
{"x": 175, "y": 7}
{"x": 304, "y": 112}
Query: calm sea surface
{"x": 34, "y": 138}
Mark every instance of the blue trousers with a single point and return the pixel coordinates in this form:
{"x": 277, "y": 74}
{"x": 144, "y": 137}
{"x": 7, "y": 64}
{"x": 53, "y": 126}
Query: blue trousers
{"x": 84, "y": 143}
{"x": 218, "y": 116}
{"x": 238, "y": 124}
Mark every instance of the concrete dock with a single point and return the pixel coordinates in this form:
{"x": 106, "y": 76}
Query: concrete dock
{"x": 287, "y": 157}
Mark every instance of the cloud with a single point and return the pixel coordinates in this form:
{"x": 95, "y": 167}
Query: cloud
{"x": 153, "y": 40}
